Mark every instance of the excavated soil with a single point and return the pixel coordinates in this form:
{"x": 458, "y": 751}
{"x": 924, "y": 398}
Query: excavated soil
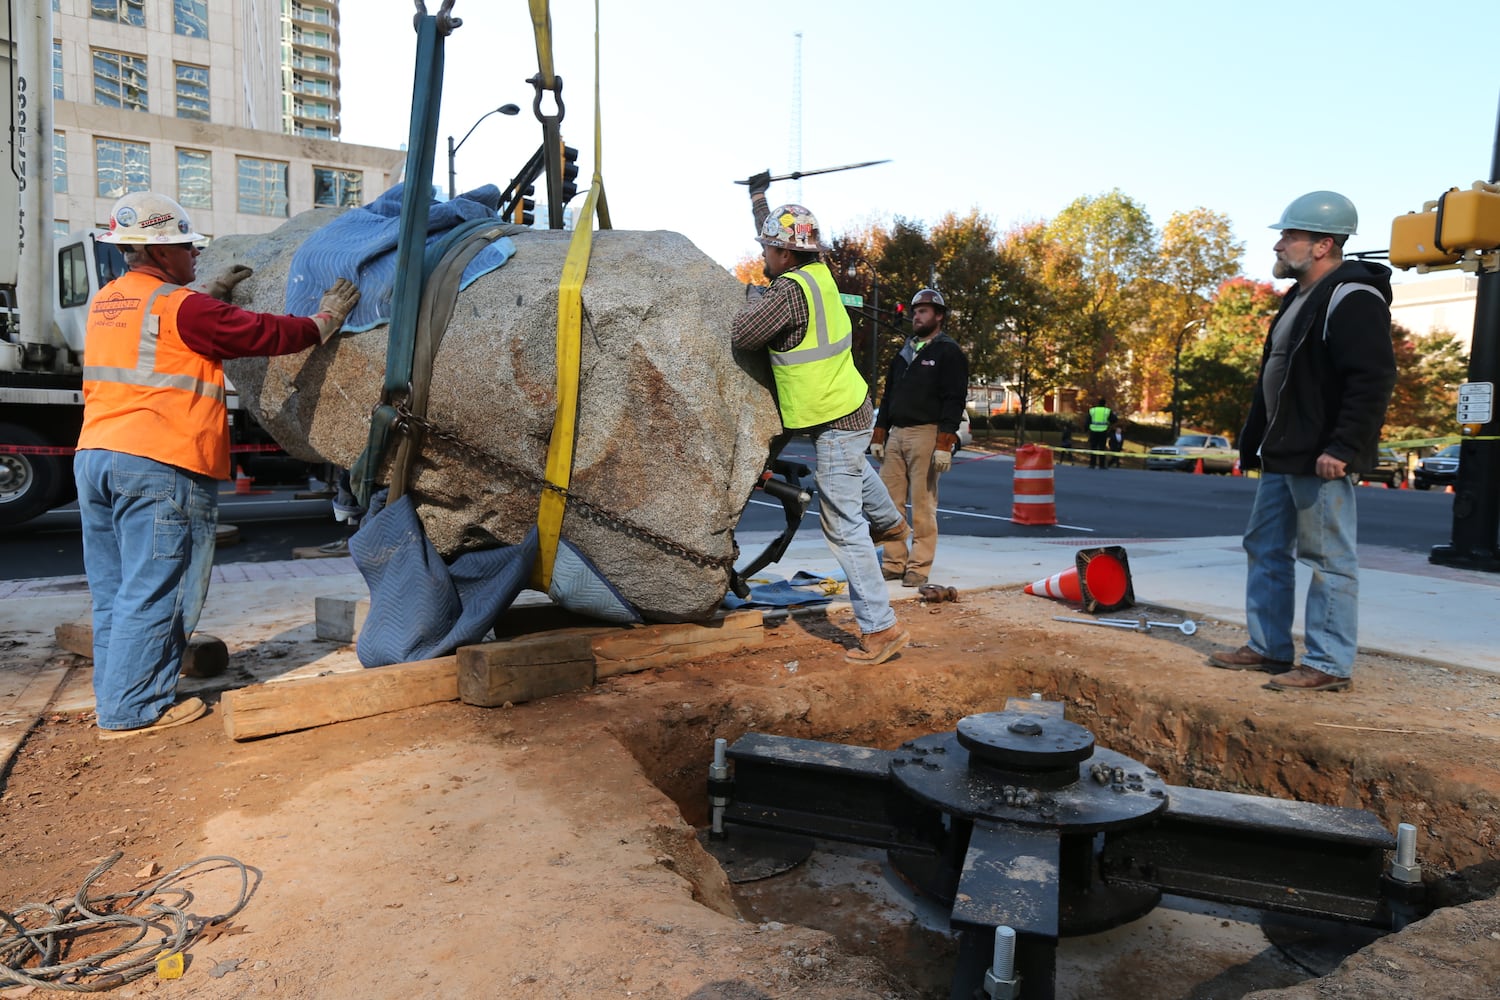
{"x": 549, "y": 850}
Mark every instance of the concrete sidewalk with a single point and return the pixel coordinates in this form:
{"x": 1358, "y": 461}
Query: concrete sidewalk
{"x": 1408, "y": 607}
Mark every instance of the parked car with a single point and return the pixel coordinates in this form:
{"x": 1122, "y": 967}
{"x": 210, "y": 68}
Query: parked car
{"x": 1437, "y": 470}
{"x": 1390, "y": 468}
{"x": 965, "y": 433}
{"x": 1183, "y": 454}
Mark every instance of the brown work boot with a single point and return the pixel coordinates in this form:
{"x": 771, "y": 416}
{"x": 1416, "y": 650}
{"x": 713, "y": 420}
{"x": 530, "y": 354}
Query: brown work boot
{"x": 877, "y": 647}
{"x": 180, "y": 714}
{"x": 887, "y": 574}
{"x": 1308, "y": 679}
{"x": 1246, "y": 658}
{"x": 913, "y": 579}
{"x": 895, "y": 533}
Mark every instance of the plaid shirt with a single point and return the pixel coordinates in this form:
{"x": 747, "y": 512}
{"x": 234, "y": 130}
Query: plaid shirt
{"x": 779, "y": 322}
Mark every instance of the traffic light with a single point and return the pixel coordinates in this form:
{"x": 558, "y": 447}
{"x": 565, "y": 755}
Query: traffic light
{"x": 900, "y": 312}
{"x": 569, "y": 173}
{"x": 525, "y": 208}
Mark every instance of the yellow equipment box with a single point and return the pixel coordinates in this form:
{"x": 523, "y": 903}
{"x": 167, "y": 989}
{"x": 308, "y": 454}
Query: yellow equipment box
{"x": 1413, "y": 241}
{"x": 1470, "y": 219}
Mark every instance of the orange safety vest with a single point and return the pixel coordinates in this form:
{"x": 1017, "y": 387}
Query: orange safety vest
{"x": 145, "y": 392}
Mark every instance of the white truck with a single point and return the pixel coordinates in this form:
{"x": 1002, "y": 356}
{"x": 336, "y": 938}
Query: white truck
{"x": 46, "y": 284}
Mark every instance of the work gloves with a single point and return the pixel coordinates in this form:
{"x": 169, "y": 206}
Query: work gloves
{"x": 942, "y": 457}
{"x": 222, "y": 287}
{"x": 877, "y": 444}
{"x": 760, "y": 183}
{"x": 335, "y": 306}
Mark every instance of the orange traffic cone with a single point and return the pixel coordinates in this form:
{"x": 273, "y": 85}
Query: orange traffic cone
{"x": 1198, "y": 467}
{"x": 1234, "y": 470}
{"x": 1448, "y": 489}
{"x": 1099, "y": 580}
{"x": 241, "y": 481}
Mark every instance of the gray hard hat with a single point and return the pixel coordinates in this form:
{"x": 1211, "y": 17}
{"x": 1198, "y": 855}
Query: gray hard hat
{"x": 932, "y": 297}
{"x": 1320, "y": 212}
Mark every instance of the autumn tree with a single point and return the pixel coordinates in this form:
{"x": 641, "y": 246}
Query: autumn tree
{"x": 1218, "y": 369}
{"x": 1113, "y": 238}
{"x": 1043, "y": 298}
{"x": 751, "y": 270}
{"x": 1197, "y": 252}
{"x": 968, "y": 273}
{"x": 1429, "y": 370}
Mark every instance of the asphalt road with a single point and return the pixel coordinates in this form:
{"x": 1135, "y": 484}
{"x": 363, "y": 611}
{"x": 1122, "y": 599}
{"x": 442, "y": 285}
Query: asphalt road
{"x": 976, "y": 499}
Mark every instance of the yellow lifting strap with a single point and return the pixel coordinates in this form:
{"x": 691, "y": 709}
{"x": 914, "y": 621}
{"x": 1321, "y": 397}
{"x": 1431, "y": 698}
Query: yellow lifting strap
{"x": 569, "y": 324}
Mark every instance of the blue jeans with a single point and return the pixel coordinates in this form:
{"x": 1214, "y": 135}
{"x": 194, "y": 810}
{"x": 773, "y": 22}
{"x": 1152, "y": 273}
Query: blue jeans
{"x": 1314, "y": 521}
{"x": 851, "y": 498}
{"x": 148, "y": 548}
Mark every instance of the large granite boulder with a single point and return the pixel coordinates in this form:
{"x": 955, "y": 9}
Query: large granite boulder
{"x": 673, "y": 424}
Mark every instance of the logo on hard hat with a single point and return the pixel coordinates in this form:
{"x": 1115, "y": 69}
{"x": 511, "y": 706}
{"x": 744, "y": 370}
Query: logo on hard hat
{"x": 161, "y": 218}
{"x": 124, "y": 216}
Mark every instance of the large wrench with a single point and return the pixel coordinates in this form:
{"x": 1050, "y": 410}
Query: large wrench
{"x": 1186, "y": 627}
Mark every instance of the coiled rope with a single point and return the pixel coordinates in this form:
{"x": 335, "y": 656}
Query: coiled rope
{"x": 154, "y": 920}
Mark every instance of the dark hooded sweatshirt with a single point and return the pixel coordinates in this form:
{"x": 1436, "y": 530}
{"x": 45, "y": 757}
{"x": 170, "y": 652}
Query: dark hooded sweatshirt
{"x": 1338, "y": 378}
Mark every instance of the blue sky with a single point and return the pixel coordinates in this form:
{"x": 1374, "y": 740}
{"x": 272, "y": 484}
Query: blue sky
{"x": 1012, "y": 108}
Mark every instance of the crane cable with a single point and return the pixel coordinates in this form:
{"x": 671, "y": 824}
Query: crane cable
{"x": 560, "y": 449}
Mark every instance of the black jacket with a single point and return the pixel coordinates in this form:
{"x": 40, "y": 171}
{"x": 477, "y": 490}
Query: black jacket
{"x": 1334, "y": 396}
{"x": 928, "y": 387}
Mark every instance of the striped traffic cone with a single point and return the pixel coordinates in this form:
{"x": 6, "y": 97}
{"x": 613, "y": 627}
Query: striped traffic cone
{"x": 1099, "y": 580}
{"x": 1035, "y": 498}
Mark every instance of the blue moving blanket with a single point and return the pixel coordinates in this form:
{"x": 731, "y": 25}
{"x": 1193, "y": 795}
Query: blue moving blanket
{"x": 361, "y": 245}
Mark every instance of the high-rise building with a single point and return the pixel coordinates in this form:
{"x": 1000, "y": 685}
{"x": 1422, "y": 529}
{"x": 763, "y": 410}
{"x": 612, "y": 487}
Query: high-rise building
{"x": 310, "y": 68}
{"x": 229, "y": 106}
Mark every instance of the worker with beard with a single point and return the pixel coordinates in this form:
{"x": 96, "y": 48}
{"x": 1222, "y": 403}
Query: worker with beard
{"x": 916, "y": 433}
{"x": 1326, "y": 375}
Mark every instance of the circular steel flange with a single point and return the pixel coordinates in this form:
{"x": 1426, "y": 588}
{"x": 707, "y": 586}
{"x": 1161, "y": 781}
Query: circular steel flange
{"x": 1021, "y": 741}
{"x": 1108, "y": 790}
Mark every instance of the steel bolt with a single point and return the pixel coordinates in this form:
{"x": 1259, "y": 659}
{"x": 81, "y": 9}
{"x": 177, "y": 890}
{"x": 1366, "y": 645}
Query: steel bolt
{"x": 1405, "y": 868}
{"x": 1000, "y": 980}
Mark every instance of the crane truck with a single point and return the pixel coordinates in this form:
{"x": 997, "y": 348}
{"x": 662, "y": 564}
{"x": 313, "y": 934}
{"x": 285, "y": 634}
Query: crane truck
{"x": 46, "y": 284}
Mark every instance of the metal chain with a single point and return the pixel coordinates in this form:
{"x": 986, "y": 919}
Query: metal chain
{"x": 585, "y": 508}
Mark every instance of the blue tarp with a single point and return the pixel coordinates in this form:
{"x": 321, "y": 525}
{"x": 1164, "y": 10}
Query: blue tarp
{"x": 422, "y": 607}
{"x": 361, "y": 245}
{"x": 802, "y": 590}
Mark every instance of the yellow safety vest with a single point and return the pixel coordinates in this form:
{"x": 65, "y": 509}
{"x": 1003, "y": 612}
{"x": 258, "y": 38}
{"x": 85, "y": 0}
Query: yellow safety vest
{"x": 816, "y": 381}
{"x": 1098, "y": 419}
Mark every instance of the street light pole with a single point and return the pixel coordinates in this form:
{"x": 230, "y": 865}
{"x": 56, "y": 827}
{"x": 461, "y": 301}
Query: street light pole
{"x": 1176, "y": 369}
{"x": 504, "y": 109}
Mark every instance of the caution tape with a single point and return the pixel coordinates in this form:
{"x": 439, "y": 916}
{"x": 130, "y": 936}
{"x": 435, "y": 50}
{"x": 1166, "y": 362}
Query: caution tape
{"x": 43, "y": 449}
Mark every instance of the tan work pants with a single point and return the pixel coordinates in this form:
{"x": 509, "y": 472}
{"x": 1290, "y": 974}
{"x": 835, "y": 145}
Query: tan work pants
{"x": 908, "y": 473}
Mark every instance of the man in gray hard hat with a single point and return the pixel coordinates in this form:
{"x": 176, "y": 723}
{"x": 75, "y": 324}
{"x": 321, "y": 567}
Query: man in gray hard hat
{"x": 1326, "y": 375}
{"x": 916, "y": 433}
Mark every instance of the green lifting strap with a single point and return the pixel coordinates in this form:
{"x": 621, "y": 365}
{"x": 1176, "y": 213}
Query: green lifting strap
{"x": 421, "y": 155}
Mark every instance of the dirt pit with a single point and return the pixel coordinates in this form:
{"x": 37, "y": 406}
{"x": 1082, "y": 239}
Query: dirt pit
{"x": 550, "y": 850}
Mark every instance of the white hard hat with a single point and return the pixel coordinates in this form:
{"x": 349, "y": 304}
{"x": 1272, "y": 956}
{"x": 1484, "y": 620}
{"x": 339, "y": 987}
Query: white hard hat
{"x": 791, "y": 227}
{"x": 143, "y": 217}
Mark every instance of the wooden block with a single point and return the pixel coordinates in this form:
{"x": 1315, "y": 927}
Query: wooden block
{"x": 340, "y": 618}
{"x": 205, "y": 655}
{"x": 76, "y": 637}
{"x": 286, "y": 706}
{"x": 630, "y": 650}
{"x": 524, "y": 669}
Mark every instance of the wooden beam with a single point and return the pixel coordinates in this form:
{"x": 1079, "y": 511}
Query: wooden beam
{"x": 205, "y": 655}
{"x": 631, "y": 650}
{"x": 286, "y": 706}
{"x": 524, "y": 669}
